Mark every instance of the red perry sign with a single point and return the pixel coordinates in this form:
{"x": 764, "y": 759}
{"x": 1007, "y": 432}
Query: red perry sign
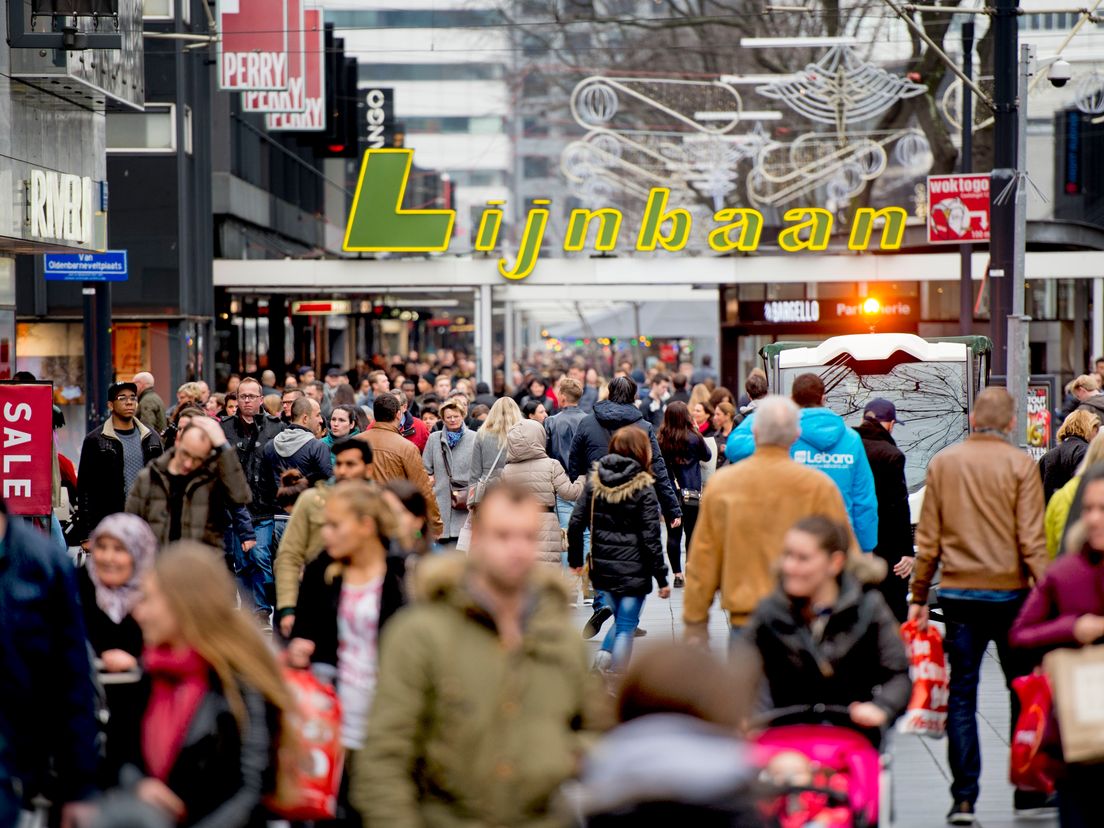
{"x": 253, "y": 44}
{"x": 958, "y": 208}
{"x": 290, "y": 99}
{"x": 310, "y": 90}
{"x": 27, "y": 447}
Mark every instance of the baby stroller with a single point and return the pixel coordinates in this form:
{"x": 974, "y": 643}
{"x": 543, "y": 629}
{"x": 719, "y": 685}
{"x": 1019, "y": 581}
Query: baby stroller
{"x": 818, "y": 770}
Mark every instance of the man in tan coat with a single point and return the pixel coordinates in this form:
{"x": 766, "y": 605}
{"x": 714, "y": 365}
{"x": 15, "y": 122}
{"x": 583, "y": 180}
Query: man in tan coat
{"x": 983, "y": 520}
{"x": 395, "y": 457}
{"x": 744, "y": 513}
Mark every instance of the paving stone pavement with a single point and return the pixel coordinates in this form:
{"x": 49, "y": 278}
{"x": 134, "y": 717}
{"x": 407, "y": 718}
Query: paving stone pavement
{"x": 920, "y": 773}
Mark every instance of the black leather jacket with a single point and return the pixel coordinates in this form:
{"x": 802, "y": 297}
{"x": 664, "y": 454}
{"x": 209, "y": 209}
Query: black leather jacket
{"x": 249, "y": 440}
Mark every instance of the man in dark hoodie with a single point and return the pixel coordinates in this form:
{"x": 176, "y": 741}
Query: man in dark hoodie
{"x": 296, "y": 447}
{"x": 592, "y": 437}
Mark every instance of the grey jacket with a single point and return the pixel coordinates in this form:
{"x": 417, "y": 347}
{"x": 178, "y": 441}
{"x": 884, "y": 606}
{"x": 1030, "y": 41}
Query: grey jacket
{"x": 484, "y": 453}
{"x": 561, "y": 430}
{"x": 460, "y": 461}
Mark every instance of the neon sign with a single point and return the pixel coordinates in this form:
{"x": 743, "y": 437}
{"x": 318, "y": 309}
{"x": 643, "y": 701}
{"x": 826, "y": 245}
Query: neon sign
{"x": 379, "y": 224}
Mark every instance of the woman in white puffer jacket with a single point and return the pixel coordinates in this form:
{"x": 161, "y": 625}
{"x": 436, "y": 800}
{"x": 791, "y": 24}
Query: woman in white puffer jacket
{"x": 529, "y": 466}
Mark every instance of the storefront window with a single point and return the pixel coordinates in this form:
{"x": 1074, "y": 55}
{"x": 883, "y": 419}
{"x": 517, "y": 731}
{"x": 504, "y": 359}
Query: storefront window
{"x": 55, "y": 351}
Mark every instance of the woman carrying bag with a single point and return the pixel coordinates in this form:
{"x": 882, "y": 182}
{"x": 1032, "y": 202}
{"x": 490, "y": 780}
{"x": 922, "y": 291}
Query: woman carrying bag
{"x": 448, "y": 462}
{"x": 684, "y": 450}
{"x": 1066, "y": 609}
{"x": 488, "y": 456}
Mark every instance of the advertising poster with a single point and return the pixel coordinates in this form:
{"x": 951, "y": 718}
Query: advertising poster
{"x": 1038, "y": 420}
{"x": 26, "y": 447}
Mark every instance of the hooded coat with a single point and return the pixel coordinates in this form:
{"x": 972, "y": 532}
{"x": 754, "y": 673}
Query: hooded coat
{"x": 1059, "y": 465}
{"x": 625, "y": 544}
{"x": 591, "y": 443}
{"x": 529, "y": 466}
{"x": 296, "y": 447}
{"x": 217, "y": 485}
{"x": 827, "y": 444}
{"x": 466, "y": 732}
{"x": 859, "y": 656}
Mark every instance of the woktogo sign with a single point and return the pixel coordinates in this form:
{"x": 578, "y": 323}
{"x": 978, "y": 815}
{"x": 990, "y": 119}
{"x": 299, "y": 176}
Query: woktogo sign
{"x": 26, "y": 447}
{"x": 379, "y": 223}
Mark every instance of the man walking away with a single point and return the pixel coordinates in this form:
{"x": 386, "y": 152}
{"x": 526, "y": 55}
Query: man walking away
{"x": 111, "y": 457}
{"x": 483, "y": 695}
{"x": 1086, "y": 388}
{"x": 887, "y": 464}
{"x": 825, "y": 443}
{"x": 302, "y": 540}
{"x": 151, "y": 408}
{"x": 743, "y": 515}
{"x": 755, "y": 388}
{"x": 393, "y": 456}
{"x": 186, "y": 493}
{"x": 561, "y": 428}
{"x": 982, "y": 520}
{"x": 653, "y": 405}
{"x": 249, "y": 432}
{"x": 296, "y": 447}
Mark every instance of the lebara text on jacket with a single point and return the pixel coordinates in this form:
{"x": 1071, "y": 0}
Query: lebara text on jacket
{"x": 379, "y": 223}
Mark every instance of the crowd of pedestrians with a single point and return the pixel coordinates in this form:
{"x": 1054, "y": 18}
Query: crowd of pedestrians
{"x": 417, "y": 540}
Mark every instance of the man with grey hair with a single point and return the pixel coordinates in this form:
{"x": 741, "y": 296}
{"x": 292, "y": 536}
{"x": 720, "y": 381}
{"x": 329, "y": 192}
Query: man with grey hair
{"x": 744, "y": 513}
{"x": 151, "y": 408}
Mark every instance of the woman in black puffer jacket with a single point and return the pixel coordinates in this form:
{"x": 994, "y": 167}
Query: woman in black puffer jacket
{"x": 620, "y": 507}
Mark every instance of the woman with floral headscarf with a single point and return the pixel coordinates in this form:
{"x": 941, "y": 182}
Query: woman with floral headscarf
{"x": 122, "y": 550}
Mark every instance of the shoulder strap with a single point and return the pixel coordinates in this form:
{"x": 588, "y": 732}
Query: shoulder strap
{"x": 487, "y": 476}
{"x": 445, "y": 455}
{"x": 593, "y": 498}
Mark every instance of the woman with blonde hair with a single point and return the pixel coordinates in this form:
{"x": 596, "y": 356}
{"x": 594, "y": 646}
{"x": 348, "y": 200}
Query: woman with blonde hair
{"x": 213, "y": 722}
{"x": 489, "y": 451}
{"x": 1060, "y": 504}
{"x": 1059, "y": 465}
{"x": 349, "y": 592}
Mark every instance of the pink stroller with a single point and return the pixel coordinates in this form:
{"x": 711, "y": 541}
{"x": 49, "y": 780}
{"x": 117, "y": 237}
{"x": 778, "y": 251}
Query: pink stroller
{"x": 818, "y": 771}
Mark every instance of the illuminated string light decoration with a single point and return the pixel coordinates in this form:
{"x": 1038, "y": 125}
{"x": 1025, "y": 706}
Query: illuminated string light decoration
{"x": 684, "y": 135}
{"x": 841, "y": 89}
{"x": 1089, "y": 94}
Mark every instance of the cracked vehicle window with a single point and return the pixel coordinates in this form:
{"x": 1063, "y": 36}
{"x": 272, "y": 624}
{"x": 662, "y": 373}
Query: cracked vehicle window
{"x": 930, "y": 398}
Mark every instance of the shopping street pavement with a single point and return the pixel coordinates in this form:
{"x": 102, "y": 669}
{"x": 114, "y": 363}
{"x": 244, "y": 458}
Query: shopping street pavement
{"x": 920, "y": 773}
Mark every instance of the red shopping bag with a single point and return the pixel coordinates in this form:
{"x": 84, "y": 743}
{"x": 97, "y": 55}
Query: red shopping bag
{"x": 1030, "y": 768}
{"x": 927, "y": 709}
{"x": 319, "y": 757}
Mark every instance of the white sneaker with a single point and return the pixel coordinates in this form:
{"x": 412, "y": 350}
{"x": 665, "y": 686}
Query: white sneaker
{"x": 603, "y": 660}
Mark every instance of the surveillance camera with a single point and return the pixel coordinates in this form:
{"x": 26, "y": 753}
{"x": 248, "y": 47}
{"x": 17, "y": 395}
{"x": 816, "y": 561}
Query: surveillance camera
{"x": 1059, "y": 73}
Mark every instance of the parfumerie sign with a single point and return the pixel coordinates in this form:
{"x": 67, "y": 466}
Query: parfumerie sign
{"x": 378, "y": 223}
{"x": 807, "y": 311}
{"x": 60, "y": 206}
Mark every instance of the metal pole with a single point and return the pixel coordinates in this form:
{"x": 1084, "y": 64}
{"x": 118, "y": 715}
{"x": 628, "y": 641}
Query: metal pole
{"x": 97, "y": 350}
{"x": 1019, "y": 359}
{"x": 508, "y": 336}
{"x": 1097, "y": 318}
{"x": 966, "y": 165}
{"x": 1002, "y": 243}
{"x": 485, "y": 335}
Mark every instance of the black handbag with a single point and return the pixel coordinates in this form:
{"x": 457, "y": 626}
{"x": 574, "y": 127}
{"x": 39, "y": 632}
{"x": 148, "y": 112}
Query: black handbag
{"x": 458, "y": 490}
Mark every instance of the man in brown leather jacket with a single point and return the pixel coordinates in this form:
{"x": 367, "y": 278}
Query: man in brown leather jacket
{"x": 983, "y": 520}
{"x": 393, "y": 456}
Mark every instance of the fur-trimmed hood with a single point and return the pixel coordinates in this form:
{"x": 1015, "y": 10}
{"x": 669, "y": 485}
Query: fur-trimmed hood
{"x": 442, "y": 578}
{"x": 617, "y": 478}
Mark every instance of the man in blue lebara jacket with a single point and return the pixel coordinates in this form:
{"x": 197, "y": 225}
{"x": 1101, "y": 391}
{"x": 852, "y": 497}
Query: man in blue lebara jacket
{"x": 826, "y": 443}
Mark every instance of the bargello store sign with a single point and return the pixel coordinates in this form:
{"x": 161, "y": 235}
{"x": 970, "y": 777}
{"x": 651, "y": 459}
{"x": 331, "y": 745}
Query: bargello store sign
{"x": 60, "y": 206}
{"x": 378, "y": 223}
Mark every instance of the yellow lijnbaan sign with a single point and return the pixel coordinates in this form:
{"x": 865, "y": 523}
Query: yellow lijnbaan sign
{"x": 378, "y": 223}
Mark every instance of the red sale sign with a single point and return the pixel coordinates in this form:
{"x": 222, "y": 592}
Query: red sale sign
{"x": 312, "y": 118}
{"x": 253, "y": 44}
{"x": 958, "y": 208}
{"x": 27, "y": 447}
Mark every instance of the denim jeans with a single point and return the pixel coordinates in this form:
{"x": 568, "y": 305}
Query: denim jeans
{"x": 626, "y": 618}
{"x": 971, "y": 625}
{"x": 255, "y": 567}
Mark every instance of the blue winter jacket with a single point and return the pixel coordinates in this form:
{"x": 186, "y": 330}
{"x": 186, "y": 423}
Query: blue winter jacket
{"x": 826, "y": 443}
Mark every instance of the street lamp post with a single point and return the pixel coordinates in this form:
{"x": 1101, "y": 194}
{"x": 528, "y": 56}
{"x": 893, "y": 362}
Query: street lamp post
{"x": 966, "y": 165}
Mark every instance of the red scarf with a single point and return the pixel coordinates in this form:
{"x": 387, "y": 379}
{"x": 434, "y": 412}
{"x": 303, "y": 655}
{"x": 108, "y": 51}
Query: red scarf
{"x": 179, "y": 683}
